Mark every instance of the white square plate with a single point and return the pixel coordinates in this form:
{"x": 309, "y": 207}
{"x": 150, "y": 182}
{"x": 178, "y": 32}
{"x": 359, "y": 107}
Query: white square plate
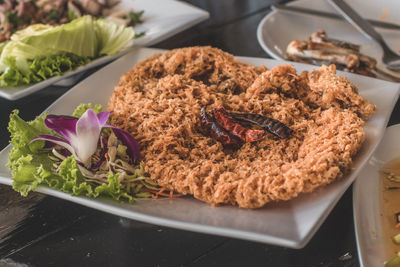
{"x": 161, "y": 20}
{"x": 289, "y": 224}
{"x": 366, "y": 201}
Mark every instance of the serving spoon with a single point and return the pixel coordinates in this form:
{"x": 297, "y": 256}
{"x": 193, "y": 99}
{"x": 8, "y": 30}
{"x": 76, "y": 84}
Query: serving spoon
{"x": 390, "y": 58}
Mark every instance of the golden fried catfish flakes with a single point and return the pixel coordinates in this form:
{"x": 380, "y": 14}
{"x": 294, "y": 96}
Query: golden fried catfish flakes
{"x": 159, "y": 102}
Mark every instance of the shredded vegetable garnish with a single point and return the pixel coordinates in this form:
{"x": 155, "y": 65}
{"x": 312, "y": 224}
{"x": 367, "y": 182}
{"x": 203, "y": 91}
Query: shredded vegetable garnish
{"x": 80, "y": 155}
{"x": 110, "y": 158}
{"x": 156, "y": 192}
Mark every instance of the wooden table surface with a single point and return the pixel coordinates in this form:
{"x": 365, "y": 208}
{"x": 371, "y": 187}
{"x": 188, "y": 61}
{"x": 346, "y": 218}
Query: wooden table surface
{"x": 45, "y": 231}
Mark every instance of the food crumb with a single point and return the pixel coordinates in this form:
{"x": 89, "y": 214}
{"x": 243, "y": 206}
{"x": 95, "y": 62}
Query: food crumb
{"x": 346, "y": 257}
{"x": 385, "y": 14}
{"x": 374, "y": 234}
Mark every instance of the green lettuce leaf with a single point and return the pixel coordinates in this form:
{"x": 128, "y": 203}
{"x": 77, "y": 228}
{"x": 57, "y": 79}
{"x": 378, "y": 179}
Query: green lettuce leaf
{"x": 2, "y": 45}
{"x": 37, "y": 41}
{"x": 42, "y": 51}
{"x": 35, "y": 29}
{"x": 70, "y": 180}
{"x": 79, "y": 110}
{"x": 77, "y": 37}
{"x": 27, "y": 162}
{"x": 40, "y": 69}
{"x": 112, "y": 37}
{"x": 31, "y": 166}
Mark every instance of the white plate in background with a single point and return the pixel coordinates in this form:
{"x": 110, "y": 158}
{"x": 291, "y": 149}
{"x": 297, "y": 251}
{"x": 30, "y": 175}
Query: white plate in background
{"x": 161, "y": 20}
{"x": 289, "y": 224}
{"x": 366, "y": 201}
{"x": 278, "y": 28}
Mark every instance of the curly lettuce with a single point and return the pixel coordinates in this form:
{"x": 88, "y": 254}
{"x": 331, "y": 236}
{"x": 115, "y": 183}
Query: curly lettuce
{"x": 31, "y": 165}
{"x": 41, "y": 68}
{"x": 43, "y": 51}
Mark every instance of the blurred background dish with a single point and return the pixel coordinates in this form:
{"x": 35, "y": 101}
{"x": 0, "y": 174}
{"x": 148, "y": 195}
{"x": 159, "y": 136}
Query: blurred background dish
{"x": 279, "y": 28}
{"x": 368, "y": 215}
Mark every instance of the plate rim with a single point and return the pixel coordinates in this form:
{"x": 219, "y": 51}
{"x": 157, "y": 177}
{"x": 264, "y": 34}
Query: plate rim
{"x": 260, "y": 36}
{"x": 151, "y": 219}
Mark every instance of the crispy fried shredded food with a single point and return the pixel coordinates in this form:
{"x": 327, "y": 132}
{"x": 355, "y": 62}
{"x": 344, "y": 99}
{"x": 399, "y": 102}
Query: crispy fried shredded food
{"x": 159, "y": 103}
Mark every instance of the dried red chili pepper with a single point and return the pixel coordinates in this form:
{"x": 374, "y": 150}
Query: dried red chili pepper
{"x": 216, "y": 131}
{"x": 235, "y": 128}
{"x": 271, "y": 125}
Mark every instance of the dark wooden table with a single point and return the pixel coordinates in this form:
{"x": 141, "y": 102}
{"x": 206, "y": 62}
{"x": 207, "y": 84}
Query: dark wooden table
{"x": 42, "y": 231}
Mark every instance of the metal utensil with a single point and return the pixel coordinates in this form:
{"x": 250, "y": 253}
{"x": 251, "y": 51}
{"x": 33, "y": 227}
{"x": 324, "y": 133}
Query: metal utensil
{"x": 390, "y": 58}
{"x": 307, "y": 11}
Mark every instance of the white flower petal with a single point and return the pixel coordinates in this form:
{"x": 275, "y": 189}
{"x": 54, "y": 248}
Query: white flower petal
{"x": 87, "y": 136}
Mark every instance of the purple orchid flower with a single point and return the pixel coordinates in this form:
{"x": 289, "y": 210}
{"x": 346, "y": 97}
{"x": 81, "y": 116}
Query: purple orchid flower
{"x": 81, "y": 136}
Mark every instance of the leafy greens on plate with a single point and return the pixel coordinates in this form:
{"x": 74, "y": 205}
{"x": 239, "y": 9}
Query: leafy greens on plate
{"x": 79, "y": 154}
{"x": 43, "y": 51}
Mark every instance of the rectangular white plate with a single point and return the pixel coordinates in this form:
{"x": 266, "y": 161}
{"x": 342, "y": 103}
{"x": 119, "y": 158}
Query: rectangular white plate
{"x": 161, "y": 20}
{"x": 289, "y": 224}
{"x": 366, "y": 201}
